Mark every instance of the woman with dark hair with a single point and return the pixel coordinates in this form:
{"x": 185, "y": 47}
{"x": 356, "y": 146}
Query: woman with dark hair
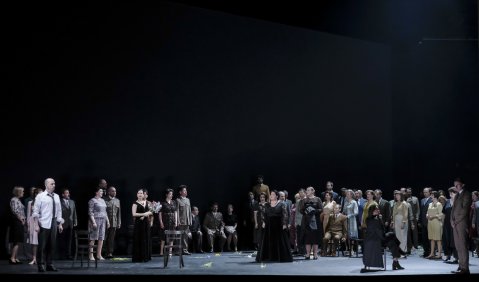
{"x": 141, "y": 230}
{"x": 374, "y": 241}
{"x": 312, "y": 228}
{"x": 32, "y": 238}
{"x": 259, "y": 219}
{"x": 168, "y": 217}
{"x": 435, "y": 217}
{"x": 275, "y": 242}
{"x": 17, "y": 223}
{"x": 399, "y": 222}
{"x": 98, "y": 222}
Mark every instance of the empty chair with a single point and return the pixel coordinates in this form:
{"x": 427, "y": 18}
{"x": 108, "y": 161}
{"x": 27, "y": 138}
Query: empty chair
{"x": 173, "y": 246}
{"x": 83, "y": 248}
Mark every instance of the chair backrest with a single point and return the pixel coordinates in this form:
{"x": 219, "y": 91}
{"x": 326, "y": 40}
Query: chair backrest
{"x": 173, "y": 236}
{"x": 82, "y": 236}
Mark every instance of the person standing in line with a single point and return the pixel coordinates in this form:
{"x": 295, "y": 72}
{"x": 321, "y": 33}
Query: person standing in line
{"x": 17, "y": 223}
{"x": 184, "y": 216}
{"x": 47, "y": 214}
{"x": 98, "y": 223}
{"x": 460, "y": 225}
{"x": 69, "y": 215}
{"x": 114, "y": 216}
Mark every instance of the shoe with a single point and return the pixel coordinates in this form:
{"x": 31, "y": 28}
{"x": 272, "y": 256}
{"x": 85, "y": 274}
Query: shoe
{"x": 41, "y": 268}
{"x": 186, "y": 253}
{"x": 52, "y": 268}
{"x": 32, "y": 262}
{"x": 462, "y": 272}
{"x": 397, "y": 266}
{"x": 11, "y": 261}
{"x": 100, "y": 258}
{"x": 307, "y": 257}
{"x": 18, "y": 262}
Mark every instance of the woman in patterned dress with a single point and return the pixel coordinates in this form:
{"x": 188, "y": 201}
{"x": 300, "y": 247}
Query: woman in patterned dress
{"x": 168, "y": 217}
{"x": 98, "y": 222}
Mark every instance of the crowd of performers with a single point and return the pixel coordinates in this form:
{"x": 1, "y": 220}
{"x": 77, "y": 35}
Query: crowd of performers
{"x": 444, "y": 223}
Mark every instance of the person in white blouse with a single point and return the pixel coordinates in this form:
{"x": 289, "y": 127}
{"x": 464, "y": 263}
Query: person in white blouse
{"x": 47, "y": 214}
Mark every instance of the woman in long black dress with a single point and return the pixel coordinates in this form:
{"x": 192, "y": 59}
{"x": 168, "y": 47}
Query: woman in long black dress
{"x": 374, "y": 241}
{"x": 275, "y": 243}
{"x": 311, "y": 225}
{"x": 141, "y": 231}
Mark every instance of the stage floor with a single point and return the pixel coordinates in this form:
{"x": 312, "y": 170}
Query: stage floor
{"x": 243, "y": 263}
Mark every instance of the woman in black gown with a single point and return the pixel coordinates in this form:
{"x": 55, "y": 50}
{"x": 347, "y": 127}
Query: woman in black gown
{"x": 311, "y": 224}
{"x": 275, "y": 242}
{"x": 141, "y": 230}
{"x": 374, "y": 241}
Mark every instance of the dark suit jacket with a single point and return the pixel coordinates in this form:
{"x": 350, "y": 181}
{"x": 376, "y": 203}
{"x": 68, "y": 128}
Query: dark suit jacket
{"x": 424, "y": 206}
{"x": 461, "y": 207}
{"x": 69, "y": 213}
{"x": 195, "y": 224}
{"x": 385, "y": 210}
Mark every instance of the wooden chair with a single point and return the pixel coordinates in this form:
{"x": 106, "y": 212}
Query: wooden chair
{"x": 83, "y": 248}
{"x": 173, "y": 246}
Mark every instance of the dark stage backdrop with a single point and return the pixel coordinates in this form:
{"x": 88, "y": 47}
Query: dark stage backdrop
{"x": 187, "y": 96}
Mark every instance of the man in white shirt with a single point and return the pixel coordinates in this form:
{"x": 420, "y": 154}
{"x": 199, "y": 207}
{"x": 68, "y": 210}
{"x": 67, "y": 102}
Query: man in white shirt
{"x": 47, "y": 214}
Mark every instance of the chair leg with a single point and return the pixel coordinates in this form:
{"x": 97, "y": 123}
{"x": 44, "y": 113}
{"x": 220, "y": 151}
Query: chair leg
{"x": 165, "y": 258}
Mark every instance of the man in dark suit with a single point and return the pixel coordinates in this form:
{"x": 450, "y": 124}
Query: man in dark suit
{"x": 113, "y": 210}
{"x": 460, "y": 225}
{"x": 413, "y": 234}
{"x": 69, "y": 214}
{"x": 247, "y": 214}
{"x": 195, "y": 229}
{"x": 384, "y": 209}
{"x": 424, "y": 206}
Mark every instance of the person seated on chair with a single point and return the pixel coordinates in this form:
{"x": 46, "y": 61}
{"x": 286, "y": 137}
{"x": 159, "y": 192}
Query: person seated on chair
{"x": 336, "y": 230}
{"x": 214, "y": 227}
{"x": 197, "y": 235}
{"x": 374, "y": 241}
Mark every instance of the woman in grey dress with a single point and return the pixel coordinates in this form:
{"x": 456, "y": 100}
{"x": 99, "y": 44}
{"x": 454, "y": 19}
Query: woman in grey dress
{"x": 98, "y": 222}
{"x": 351, "y": 211}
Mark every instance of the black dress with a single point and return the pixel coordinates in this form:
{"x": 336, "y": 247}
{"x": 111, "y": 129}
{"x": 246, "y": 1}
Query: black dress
{"x": 275, "y": 242}
{"x": 311, "y": 224}
{"x": 447, "y": 235}
{"x": 376, "y": 240}
{"x": 141, "y": 236}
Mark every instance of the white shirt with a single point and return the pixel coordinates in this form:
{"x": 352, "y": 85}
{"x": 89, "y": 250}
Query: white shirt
{"x": 43, "y": 209}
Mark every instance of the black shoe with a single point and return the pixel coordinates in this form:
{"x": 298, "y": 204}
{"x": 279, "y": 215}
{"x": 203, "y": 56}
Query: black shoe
{"x": 461, "y": 272}
{"x": 397, "y": 266}
{"x": 51, "y": 268}
{"x": 41, "y": 268}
